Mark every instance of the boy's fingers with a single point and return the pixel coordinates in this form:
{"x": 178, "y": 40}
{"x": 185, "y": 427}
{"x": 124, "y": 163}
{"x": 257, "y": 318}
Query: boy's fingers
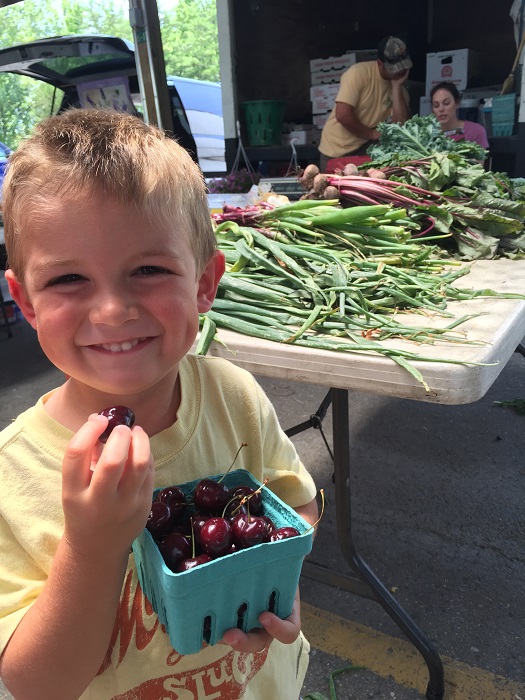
{"x": 285, "y": 631}
{"x": 140, "y": 461}
{"x": 110, "y": 466}
{"x": 76, "y": 468}
{"x": 247, "y": 642}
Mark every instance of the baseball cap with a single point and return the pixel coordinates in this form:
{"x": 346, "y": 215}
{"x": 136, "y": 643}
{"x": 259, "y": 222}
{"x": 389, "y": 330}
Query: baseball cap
{"x": 392, "y": 51}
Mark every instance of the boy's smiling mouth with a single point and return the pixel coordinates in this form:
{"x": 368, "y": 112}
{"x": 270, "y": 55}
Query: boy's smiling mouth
{"x": 124, "y": 346}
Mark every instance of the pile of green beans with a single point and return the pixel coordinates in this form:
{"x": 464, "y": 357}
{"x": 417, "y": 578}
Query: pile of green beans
{"x": 313, "y": 274}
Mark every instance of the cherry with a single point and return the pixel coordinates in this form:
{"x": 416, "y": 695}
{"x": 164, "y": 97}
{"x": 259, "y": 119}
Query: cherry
{"x": 160, "y": 520}
{"x": 283, "y": 533}
{"x": 248, "y": 530}
{"x": 270, "y": 527}
{"x": 197, "y": 521}
{"x": 116, "y": 415}
{"x": 211, "y": 496}
{"x": 176, "y": 500}
{"x": 234, "y": 507}
{"x": 254, "y": 502}
{"x": 216, "y": 537}
{"x": 192, "y": 562}
{"x": 174, "y": 549}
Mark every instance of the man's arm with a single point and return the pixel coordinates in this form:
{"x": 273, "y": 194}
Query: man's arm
{"x": 347, "y": 117}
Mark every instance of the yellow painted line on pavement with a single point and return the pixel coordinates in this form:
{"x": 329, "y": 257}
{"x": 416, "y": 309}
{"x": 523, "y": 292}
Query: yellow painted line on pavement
{"x": 392, "y": 657}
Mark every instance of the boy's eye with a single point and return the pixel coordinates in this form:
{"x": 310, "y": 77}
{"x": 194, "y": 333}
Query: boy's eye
{"x": 64, "y": 279}
{"x": 152, "y": 270}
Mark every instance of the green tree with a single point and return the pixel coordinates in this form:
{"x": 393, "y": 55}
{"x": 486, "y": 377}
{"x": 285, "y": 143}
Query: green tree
{"x": 189, "y": 38}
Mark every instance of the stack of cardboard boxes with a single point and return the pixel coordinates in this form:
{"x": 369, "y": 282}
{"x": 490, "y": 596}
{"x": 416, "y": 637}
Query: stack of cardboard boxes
{"x": 325, "y": 74}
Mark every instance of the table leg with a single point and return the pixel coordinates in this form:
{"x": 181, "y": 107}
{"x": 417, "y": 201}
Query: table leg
{"x": 341, "y": 432}
{"x": 362, "y": 581}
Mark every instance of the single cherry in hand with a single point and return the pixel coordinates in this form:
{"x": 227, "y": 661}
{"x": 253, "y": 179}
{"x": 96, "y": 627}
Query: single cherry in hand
{"x": 116, "y": 415}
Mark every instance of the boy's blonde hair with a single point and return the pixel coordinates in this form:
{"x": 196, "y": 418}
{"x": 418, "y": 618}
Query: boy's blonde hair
{"x": 110, "y": 153}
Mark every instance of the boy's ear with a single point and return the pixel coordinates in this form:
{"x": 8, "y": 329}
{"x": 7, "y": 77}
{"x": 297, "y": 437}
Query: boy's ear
{"x": 18, "y": 292}
{"x": 209, "y": 281}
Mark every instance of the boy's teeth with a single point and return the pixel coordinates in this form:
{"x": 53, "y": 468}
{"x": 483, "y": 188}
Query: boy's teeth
{"x": 121, "y": 347}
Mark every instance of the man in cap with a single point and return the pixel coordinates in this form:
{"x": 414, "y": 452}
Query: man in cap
{"x": 370, "y": 92}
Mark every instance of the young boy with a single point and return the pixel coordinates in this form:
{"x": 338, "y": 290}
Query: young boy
{"x": 112, "y": 258}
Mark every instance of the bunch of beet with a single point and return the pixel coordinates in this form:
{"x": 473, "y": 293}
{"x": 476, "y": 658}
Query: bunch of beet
{"x": 318, "y": 185}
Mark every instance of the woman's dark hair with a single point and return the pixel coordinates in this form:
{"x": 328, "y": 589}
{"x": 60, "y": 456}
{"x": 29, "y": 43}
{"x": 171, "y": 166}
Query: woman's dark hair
{"x": 450, "y": 87}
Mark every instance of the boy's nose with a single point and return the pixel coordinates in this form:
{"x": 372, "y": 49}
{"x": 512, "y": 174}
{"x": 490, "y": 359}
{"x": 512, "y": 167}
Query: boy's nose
{"x": 113, "y": 309}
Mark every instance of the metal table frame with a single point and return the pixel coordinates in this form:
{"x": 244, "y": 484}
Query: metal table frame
{"x": 364, "y": 581}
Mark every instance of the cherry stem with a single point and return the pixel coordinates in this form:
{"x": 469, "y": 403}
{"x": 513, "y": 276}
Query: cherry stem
{"x": 192, "y": 538}
{"x": 312, "y": 527}
{"x": 243, "y": 444}
{"x": 245, "y": 499}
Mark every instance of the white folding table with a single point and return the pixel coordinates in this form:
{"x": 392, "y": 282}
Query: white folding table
{"x": 497, "y": 332}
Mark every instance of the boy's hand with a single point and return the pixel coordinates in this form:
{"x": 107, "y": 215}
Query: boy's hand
{"x": 285, "y": 631}
{"x": 106, "y": 493}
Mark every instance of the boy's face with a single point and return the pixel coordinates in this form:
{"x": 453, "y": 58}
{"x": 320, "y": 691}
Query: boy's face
{"x": 115, "y": 299}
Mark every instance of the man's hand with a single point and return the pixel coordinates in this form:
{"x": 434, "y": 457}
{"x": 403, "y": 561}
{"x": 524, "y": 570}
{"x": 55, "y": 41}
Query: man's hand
{"x": 400, "y": 78}
{"x": 400, "y": 111}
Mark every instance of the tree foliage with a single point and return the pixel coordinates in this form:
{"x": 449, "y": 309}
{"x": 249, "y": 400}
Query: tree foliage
{"x": 189, "y": 38}
{"x": 191, "y": 21}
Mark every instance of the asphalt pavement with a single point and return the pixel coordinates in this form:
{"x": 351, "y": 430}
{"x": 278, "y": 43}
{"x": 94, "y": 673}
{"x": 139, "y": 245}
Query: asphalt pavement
{"x": 437, "y": 498}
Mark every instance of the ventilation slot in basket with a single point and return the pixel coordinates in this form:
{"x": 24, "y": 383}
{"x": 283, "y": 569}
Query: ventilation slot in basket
{"x": 241, "y": 616}
{"x": 206, "y": 629}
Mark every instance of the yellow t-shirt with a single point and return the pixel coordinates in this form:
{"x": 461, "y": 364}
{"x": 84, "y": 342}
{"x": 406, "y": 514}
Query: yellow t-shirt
{"x": 362, "y": 87}
{"x": 221, "y": 407}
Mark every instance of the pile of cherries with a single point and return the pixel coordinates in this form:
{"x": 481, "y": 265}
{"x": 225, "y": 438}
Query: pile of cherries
{"x": 216, "y": 521}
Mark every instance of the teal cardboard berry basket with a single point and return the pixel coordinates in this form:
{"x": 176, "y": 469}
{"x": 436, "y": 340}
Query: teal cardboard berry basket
{"x": 199, "y": 605}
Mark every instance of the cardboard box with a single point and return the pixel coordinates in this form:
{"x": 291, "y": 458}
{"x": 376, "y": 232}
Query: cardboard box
{"x": 323, "y": 97}
{"x": 302, "y": 137}
{"x": 320, "y": 119}
{"x": 341, "y": 63}
{"x": 455, "y": 67}
{"x": 425, "y": 106}
{"x": 333, "y": 63}
{"x": 326, "y": 77}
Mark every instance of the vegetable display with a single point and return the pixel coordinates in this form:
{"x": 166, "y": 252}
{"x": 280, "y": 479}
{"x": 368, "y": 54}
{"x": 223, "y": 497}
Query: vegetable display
{"x": 443, "y": 186}
{"x": 319, "y": 276}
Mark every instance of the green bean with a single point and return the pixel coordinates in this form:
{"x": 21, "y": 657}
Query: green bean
{"x": 307, "y": 324}
{"x": 249, "y": 289}
{"x": 351, "y": 215}
{"x": 207, "y": 334}
{"x": 302, "y": 205}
